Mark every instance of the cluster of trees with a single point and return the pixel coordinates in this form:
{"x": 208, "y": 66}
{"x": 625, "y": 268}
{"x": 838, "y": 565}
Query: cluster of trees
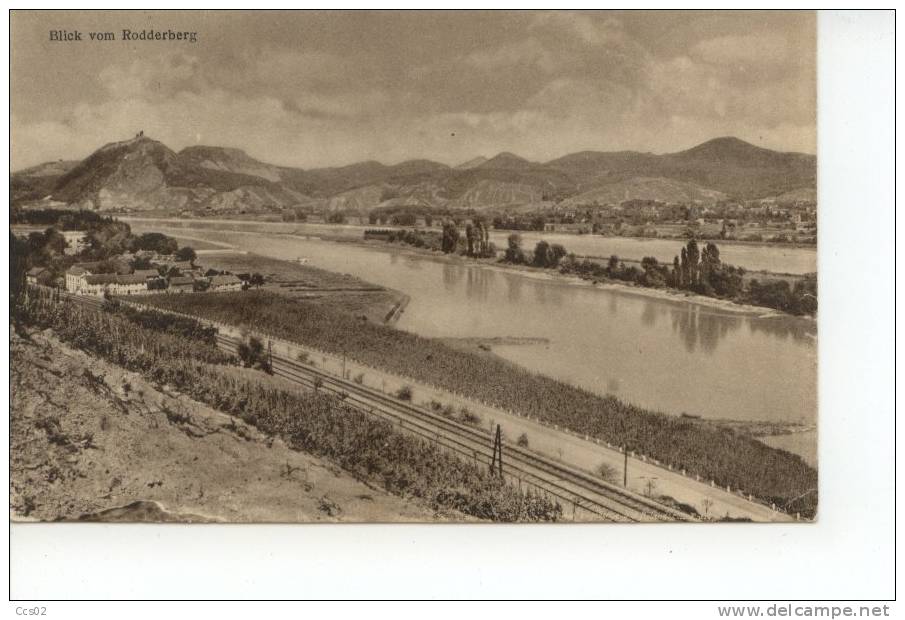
{"x": 154, "y": 242}
{"x": 108, "y": 240}
{"x": 404, "y": 219}
{"x": 315, "y": 422}
{"x": 47, "y": 245}
{"x": 536, "y": 222}
{"x": 702, "y": 272}
{"x": 295, "y": 215}
{"x": 407, "y": 215}
{"x": 589, "y": 269}
{"x": 548, "y": 255}
{"x": 545, "y": 254}
{"x": 449, "y": 237}
{"x": 416, "y": 238}
{"x": 62, "y": 219}
{"x": 477, "y": 240}
{"x": 252, "y": 354}
{"x": 186, "y": 253}
{"x": 18, "y": 266}
{"x": 39, "y": 249}
{"x": 514, "y": 253}
{"x": 475, "y": 243}
{"x": 800, "y": 298}
{"x": 713, "y": 453}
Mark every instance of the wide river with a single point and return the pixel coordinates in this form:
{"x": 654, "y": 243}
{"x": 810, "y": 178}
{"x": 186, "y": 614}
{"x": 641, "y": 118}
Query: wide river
{"x": 662, "y": 354}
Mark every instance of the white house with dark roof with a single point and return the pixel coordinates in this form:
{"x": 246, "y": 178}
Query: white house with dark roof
{"x": 223, "y": 283}
{"x": 115, "y": 284}
{"x": 75, "y": 279}
{"x": 180, "y": 284}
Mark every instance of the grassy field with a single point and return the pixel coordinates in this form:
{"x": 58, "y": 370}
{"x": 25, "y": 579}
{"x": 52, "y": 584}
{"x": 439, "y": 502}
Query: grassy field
{"x": 317, "y": 286}
{"x": 729, "y": 458}
{"x": 283, "y": 271}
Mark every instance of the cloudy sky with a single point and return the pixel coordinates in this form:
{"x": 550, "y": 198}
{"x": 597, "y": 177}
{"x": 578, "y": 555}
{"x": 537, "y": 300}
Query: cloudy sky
{"x": 313, "y": 89}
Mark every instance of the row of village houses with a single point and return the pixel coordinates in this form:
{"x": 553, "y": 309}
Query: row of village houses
{"x": 82, "y": 279}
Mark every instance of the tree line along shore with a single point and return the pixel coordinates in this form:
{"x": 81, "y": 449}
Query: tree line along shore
{"x": 695, "y": 269}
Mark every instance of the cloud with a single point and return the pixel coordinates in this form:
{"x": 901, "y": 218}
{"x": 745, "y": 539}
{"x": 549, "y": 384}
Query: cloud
{"x": 540, "y": 84}
{"x": 596, "y": 101}
{"x": 530, "y": 51}
{"x": 286, "y": 70}
{"x": 151, "y": 78}
{"x": 599, "y": 30}
{"x": 750, "y": 50}
{"x": 694, "y": 88}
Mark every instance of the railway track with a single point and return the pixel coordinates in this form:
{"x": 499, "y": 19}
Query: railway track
{"x": 582, "y": 496}
{"x": 589, "y": 498}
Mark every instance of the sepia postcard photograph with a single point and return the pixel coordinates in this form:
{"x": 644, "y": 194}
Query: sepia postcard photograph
{"x": 414, "y": 267}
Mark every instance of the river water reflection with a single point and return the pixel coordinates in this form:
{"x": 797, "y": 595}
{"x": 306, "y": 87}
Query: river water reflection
{"x": 662, "y": 354}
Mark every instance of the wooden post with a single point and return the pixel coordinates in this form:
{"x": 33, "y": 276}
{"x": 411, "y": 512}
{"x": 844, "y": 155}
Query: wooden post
{"x": 499, "y": 440}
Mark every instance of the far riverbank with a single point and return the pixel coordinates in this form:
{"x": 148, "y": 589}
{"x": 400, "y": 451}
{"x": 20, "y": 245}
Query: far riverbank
{"x": 753, "y": 256}
{"x": 665, "y": 294}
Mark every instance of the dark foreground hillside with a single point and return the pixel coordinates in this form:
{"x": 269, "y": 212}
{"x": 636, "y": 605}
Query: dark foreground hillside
{"x": 94, "y": 441}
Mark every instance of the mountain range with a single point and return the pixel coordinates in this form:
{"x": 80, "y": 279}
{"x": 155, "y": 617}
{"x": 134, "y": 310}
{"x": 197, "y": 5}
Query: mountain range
{"x": 144, "y": 174}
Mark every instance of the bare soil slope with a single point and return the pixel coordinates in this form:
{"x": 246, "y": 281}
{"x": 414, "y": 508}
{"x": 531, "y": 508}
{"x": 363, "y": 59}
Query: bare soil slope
{"x": 92, "y": 441}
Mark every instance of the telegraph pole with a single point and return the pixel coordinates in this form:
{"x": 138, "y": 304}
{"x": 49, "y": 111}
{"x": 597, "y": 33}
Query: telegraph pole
{"x": 625, "y": 468}
{"x": 496, "y": 461}
{"x": 499, "y": 441}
